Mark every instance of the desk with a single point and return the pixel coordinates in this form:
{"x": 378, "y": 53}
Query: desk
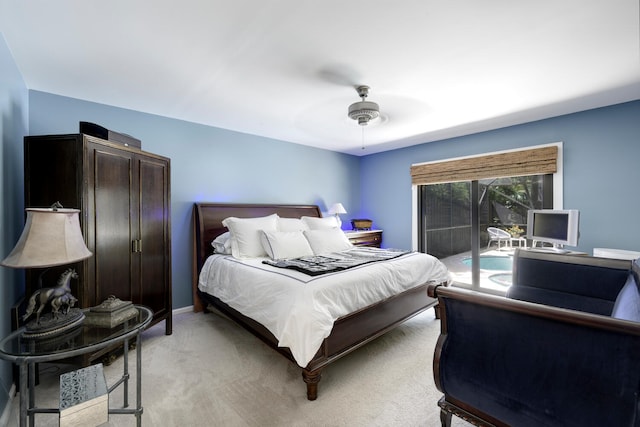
{"x": 26, "y": 353}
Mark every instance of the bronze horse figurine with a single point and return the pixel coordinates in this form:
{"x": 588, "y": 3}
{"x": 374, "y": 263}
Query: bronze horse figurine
{"x": 58, "y": 296}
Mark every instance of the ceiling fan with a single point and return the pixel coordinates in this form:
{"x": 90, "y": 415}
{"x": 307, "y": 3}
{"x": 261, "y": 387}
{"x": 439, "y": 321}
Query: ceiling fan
{"x": 364, "y": 111}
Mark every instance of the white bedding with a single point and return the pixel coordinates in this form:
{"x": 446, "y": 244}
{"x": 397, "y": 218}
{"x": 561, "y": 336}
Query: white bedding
{"x": 299, "y": 310}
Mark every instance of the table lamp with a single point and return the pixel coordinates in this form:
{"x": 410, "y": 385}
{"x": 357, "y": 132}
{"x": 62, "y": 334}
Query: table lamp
{"x": 337, "y": 209}
{"x": 51, "y": 237}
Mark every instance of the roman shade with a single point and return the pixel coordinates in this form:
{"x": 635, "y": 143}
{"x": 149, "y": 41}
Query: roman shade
{"x": 535, "y": 161}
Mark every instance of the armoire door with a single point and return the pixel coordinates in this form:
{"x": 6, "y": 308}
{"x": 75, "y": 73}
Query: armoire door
{"x": 154, "y": 281}
{"x": 112, "y": 225}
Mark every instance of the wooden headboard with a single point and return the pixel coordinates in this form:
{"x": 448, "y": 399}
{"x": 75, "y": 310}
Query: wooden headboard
{"x": 207, "y": 225}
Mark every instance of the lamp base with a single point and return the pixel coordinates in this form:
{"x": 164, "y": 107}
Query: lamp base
{"x": 50, "y": 326}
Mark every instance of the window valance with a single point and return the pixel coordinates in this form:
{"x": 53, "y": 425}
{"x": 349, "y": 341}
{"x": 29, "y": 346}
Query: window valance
{"x": 535, "y": 161}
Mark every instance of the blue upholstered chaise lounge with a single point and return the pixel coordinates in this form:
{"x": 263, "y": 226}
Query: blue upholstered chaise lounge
{"x": 562, "y": 360}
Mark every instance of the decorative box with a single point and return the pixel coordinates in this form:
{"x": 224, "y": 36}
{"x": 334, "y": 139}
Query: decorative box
{"x": 84, "y": 399}
{"x": 110, "y": 313}
{"x": 361, "y": 224}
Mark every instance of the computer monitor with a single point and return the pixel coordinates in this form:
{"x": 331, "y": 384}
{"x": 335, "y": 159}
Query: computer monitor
{"x": 554, "y": 226}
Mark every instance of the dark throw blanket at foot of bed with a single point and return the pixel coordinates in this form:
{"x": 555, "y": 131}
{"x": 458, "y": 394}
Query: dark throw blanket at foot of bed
{"x": 316, "y": 265}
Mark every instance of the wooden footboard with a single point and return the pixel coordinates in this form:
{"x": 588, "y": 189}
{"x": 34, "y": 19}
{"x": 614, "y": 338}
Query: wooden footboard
{"x": 349, "y": 332}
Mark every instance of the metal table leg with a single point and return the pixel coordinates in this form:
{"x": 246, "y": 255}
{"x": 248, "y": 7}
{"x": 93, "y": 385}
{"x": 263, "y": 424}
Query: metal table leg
{"x": 32, "y": 393}
{"x": 125, "y": 373}
{"x": 138, "y": 380}
{"x": 23, "y": 393}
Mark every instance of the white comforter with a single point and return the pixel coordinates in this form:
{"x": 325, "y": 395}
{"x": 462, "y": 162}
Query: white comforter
{"x": 299, "y": 310}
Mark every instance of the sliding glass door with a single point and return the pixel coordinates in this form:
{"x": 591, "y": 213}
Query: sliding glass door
{"x": 455, "y": 220}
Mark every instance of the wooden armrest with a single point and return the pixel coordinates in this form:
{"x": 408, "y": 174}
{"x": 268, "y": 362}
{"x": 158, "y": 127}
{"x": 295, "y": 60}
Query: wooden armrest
{"x": 540, "y": 310}
{"x": 432, "y": 290}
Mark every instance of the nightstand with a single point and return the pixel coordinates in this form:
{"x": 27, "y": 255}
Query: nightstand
{"x": 365, "y": 237}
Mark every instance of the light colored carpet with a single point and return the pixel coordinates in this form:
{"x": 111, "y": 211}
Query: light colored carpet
{"x": 211, "y": 372}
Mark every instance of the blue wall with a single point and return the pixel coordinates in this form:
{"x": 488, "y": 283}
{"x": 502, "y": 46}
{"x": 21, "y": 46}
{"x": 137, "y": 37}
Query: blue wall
{"x": 601, "y": 173}
{"x": 14, "y": 107}
{"x": 211, "y": 164}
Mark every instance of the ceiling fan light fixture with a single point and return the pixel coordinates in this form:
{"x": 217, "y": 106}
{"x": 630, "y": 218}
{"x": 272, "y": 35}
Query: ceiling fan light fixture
{"x": 363, "y": 111}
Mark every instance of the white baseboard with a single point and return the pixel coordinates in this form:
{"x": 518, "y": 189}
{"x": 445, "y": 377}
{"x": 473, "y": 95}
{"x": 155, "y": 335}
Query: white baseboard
{"x": 181, "y": 310}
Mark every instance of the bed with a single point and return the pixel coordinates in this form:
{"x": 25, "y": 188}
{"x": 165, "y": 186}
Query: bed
{"x": 347, "y": 332}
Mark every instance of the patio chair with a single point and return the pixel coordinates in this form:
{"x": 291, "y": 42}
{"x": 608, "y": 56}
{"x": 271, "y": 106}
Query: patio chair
{"x": 498, "y": 235}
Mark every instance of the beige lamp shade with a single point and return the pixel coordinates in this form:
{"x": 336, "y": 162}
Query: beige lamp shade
{"x": 50, "y": 237}
{"x": 337, "y": 209}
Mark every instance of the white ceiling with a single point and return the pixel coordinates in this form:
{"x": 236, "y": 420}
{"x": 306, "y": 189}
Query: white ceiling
{"x": 287, "y": 69}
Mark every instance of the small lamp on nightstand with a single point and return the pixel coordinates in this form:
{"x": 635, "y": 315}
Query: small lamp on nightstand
{"x": 51, "y": 237}
{"x": 337, "y": 209}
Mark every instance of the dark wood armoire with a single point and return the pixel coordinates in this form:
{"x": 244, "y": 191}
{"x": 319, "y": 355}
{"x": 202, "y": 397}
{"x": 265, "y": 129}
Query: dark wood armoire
{"x": 124, "y": 197}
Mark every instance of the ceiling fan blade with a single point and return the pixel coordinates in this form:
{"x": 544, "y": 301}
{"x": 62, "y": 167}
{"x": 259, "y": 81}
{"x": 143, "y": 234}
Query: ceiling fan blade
{"x": 342, "y": 75}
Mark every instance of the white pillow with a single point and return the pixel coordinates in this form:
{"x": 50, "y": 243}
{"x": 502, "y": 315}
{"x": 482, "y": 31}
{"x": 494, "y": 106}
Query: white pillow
{"x": 285, "y": 244}
{"x": 246, "y": 232}
{"x": 291, "y": 224}
{"x": 222, "y": 244}
{"x": 320, "y": 223}
{"x": 327, "y": 240}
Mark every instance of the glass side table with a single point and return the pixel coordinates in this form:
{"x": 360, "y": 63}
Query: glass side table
{"x": 27, "y": 352}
